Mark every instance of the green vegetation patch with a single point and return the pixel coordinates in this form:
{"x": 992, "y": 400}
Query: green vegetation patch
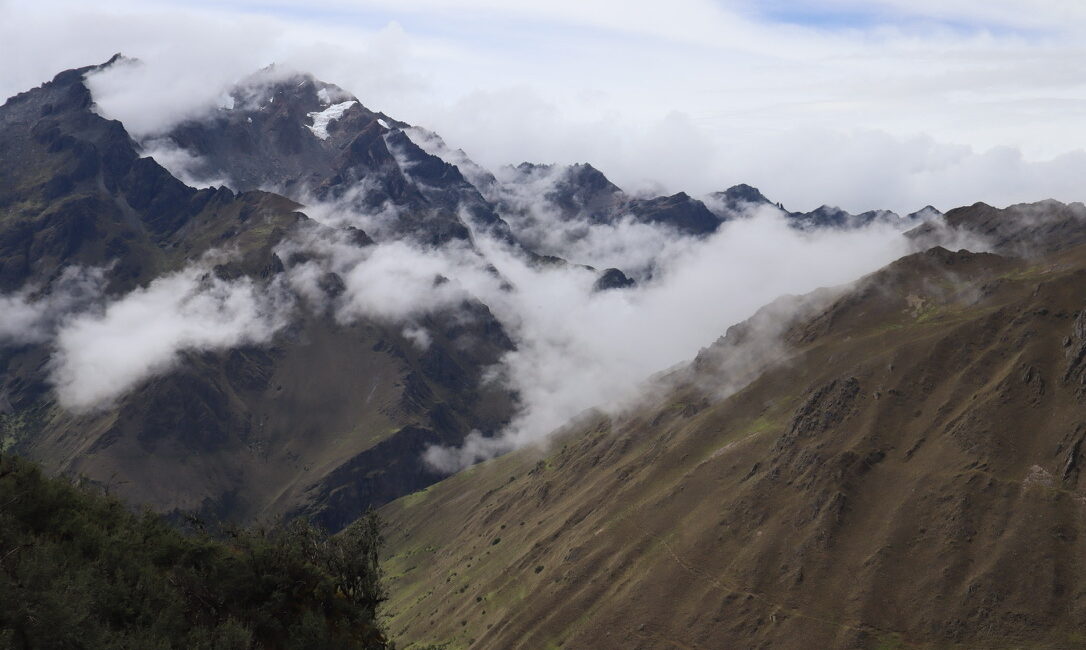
{"x": 13, "y": 428}
{"x": 79, "y": 570}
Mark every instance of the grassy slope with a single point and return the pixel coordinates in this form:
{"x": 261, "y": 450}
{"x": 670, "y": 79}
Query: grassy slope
{"x": 901, "y": 481}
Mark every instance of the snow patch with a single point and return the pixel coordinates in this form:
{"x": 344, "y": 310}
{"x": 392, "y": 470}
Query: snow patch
{"x": 321, "y": 119}
{"x": 323, "y": 95}
{"x": 383, "y": 123}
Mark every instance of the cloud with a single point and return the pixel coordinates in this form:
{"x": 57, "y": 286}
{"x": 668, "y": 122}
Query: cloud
{"x": 418, "y": 336}
{"x": 33, "y": 314}
{"x": 101, "y": 355}
{"x": 978, "y": 14}
{"x": 876, "y": 170}
{"x": 183, "y": 164}
{"x": 397, "y": 282}
{"x": 578, "y": 349}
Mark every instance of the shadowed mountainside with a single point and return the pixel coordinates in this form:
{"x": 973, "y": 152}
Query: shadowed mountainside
{"x": 251, "y": 432}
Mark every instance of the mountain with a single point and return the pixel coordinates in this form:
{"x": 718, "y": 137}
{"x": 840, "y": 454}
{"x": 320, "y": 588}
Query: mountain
{"x": 894, "y": 463}
{"x": 679, "y": 211}
{"x": 891, "y": 464}
{"x": 737, "y": 201}
{"x": 1029, "y": 229}
{"x": 828, "y": 216}
{"x": 76, "y": 192}
{"x": 309, "y": 139}
{"x": 577, "y": 191}
{"x": 328, "y": 417}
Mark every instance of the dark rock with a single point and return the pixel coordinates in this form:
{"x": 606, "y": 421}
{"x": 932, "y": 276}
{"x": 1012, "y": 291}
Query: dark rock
{"x": 612, "y": 279}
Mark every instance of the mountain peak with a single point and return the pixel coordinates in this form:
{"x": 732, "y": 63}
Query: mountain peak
{"x": 744, "y": 192}
{"x": 924, "y": 213}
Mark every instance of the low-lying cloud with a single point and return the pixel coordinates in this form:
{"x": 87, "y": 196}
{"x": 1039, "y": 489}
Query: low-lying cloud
{"x": 33, "y": 314}
{"x": 576, "y": 347}
{"x": 579, "y": 348}
{"x": 102, "y": 354}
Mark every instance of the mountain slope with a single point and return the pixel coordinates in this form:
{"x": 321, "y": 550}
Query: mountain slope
{"x": 1028, "y": 229}
{"x": 76, "y": 192}
{"x": 253, "y": 431}
{"x": 905, "y": 472}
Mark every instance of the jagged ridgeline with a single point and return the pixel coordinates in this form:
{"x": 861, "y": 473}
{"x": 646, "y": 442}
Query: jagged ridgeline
{"x": 80, "y": 570}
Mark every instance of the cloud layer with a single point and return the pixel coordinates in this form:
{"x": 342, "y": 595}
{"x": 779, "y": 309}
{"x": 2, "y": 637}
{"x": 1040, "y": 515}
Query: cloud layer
{"x": 101, "y": 354}
{"x": 865, "y": 105}
{"x": 33, "y": 314}
{"x": 579, "y": 349}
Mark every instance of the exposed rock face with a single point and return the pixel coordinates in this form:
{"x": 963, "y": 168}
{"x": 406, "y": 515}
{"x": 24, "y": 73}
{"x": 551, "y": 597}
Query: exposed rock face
{"x": 74, "y": 191}
{"x": 738, "y": 201}
{"x": 576, "y": 191}
{"x": 613, "y": 279}
{"x": 1076, "y": 352}
{"x": 835, "y": 218}
{"x": 826, "y": 407}
{"x": 679, "y": 211}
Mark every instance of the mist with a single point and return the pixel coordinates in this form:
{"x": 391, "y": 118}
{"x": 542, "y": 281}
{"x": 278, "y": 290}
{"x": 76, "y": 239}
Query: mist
{"x": 579, "y": 348}
{"x": 33, "y": 314}
{"x": 576, "y": 347}
{"x": 103, "y": 353}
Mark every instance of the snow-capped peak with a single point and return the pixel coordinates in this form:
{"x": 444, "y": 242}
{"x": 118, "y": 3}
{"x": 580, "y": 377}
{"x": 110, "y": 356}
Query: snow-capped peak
{"x": 321, "y": 119}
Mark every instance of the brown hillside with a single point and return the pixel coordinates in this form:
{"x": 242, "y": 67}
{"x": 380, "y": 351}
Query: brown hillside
{"x": 906, "y": 474}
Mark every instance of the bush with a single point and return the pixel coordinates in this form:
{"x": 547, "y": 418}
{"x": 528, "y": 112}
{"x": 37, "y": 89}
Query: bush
{"x": 79, "y": 570}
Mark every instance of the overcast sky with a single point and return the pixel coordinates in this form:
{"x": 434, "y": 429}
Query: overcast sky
{"x": 882, "y": 103}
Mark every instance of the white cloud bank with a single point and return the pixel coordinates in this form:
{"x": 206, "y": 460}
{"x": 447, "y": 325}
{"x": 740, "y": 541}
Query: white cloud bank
{"x": 576, "y": 347}
{"x": 579, "y": 349}
{"x": 102, "y": 354}
{"x": 33, "y": 316}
